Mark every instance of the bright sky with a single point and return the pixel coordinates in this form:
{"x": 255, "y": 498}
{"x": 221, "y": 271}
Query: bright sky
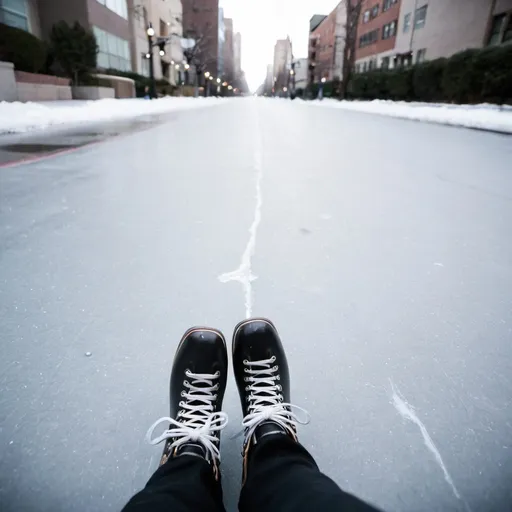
{"x": 262, "y": 22}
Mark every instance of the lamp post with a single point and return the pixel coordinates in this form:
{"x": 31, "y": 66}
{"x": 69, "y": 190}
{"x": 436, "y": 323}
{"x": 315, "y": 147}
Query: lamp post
{"x": 152, "y": 86}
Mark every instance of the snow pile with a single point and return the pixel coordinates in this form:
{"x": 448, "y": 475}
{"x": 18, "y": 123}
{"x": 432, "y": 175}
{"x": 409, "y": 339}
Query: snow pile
{"x": 483, "y": 117}
{"x": 23, "y": 117}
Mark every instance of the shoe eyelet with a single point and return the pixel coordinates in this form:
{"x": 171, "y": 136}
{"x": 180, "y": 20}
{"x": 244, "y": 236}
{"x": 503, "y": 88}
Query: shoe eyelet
{"x": 217, "y": 374}
{"x": 273, "y": 359}
{"x": 246, "y": 361}
{"x": 188, "y": 372}
{"x": 186, "y": 383}
{"x": 182, "y": 394}
{"x": 216, "y": 387}
{"x": 275, "y": 368}
{"x": 279, "y": 387}
{"x": 182, "y": 403}
{"x": 278, "y": 377}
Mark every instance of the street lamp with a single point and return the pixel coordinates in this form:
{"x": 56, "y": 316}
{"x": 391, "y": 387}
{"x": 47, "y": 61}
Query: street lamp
{"x": 152, "y": 88}
{"x": 162, "y": 53}
{"x": 218, "y": 80}
{"x": 230, "y": 87}
{"x": 211, "y": 77}
{"x": 207, "y": 74}
{"x": 324, "y": 80}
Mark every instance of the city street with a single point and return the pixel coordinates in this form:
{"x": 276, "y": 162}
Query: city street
{"x": 381, "y": 249}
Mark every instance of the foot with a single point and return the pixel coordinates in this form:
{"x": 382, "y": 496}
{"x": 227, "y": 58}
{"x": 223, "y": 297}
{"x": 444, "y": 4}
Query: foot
{"x": 263, "y": 380}
{"x": 198, "y": 383}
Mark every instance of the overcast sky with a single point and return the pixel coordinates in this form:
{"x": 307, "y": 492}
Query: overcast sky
{"x": 262, "y": 22}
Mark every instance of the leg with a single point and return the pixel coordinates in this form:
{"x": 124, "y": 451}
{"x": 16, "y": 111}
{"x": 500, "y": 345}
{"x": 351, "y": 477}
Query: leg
{"x": 182, "y": 484}
{"x": 279, "y": 475}
{"x": 282, "y": 476}
{"x": 188, "y": 478}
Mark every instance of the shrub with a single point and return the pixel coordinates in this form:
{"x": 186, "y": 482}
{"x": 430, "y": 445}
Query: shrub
{"x": 75, "y": 49}
{"x": 493, "y": 66}
{"x": 458, "y": 77}
{"x": 25, "y": 51}
{"x": 400, "y": 84}
{"x": 427, "y": 80}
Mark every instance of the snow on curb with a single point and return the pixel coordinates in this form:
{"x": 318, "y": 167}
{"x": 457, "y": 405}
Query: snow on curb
{"x": 23, "y": 117}
{"x": 482, "y": 117}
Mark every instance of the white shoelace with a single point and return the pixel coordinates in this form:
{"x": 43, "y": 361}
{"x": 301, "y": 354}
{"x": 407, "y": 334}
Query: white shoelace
{"x": 199, "y": 422}
{"x": 266, "y": 398}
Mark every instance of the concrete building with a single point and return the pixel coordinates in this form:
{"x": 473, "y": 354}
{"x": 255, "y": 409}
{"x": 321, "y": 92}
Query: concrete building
{"x": 23, "y": 14}
{"x": 282, "y": 64}
{"x": 326, "y": 45}
{"x": 165, "y": 17}
{"x": 229, "y": 51}
{"x": 221, "y": 42}
{"x": 376, "y": 34}
{"x": 429, "y": 29}
{"x": 107, "y": 18}
{"x": 238, "y": 55}
{"x": 201, "y": 22}
{"x": 301, "y": 73}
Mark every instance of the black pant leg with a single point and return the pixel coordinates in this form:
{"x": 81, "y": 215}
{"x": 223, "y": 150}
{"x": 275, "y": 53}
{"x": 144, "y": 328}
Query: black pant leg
{"x": 283, "y": 477}
{"x": 182, "y": 484}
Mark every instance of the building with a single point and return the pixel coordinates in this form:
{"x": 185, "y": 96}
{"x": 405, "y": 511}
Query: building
{"x": 165, "y": 17}
{"x": 23, "y": 14}
{"x": 269, "y": 80}
{"x": 107, "y": 18}
{"x": 229, "y": 51}
{"x": 238, "y": 55}
{"x": 282, "y": 64}
{"x": 222, "y": 40}
{"x": 429, "y": 29}
{"x": 201, "y": 22}
{"x": 301, "y": 73}
{"x": 376, "y": 34}
{"x": 326, "y": 45}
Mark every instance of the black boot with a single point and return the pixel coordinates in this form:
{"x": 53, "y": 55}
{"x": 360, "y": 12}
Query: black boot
{"x": 263, "y": 380}
{"x": 198, "y": 383}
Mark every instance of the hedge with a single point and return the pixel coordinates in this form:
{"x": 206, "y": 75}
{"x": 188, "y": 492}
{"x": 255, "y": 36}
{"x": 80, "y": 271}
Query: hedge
{"x": 471, "y": 76}
{"x": 163, "y": 87}
{"x": 25, "y": 51}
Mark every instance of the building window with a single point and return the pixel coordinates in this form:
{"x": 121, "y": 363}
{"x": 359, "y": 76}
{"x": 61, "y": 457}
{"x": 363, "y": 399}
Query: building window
{"x": 498, "y": 35}
{"x": 369, "y": 38}
{"x": 421, "y": 55}
{"x": 114, "y": 52}
{"x": 366, "y": 16}
{"x": 14, "y": 13}
{"x": 387, "y": 4}
{"x": 375, "y": 11}
{"x": 407, "y": 22}
{"x": 420, "y": 17}
{"x": 389, "y": 30}
{"x": 384, "y": 64}
{"x": 117, "y": 6}
{"x": 507, "y": 36}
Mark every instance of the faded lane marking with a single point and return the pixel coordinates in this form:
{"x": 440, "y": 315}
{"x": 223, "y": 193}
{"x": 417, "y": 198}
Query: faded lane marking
{"x": 407, "y": 412}
{"x": 243, "y": 274}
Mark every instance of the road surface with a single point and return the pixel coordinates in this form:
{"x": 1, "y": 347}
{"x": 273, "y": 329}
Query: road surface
{"x": 381, "y": 248}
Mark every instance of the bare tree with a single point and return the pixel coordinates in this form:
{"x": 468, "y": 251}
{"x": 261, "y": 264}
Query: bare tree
{"x": 353, "y": 12}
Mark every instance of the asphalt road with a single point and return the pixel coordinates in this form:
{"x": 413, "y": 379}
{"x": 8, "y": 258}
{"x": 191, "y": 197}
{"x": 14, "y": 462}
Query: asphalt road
{"x": 381, "y": 248}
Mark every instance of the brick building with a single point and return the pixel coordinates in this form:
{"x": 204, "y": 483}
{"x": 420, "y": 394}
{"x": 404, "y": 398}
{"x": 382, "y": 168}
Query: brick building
{"x": 376, "y": 34}
{"x": 326, "y": 44}
{"x": 201, "y": 22}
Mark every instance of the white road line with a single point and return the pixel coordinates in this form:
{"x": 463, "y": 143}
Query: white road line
{"x": 407, "y": 412}
{"x": 243, "y": 274}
